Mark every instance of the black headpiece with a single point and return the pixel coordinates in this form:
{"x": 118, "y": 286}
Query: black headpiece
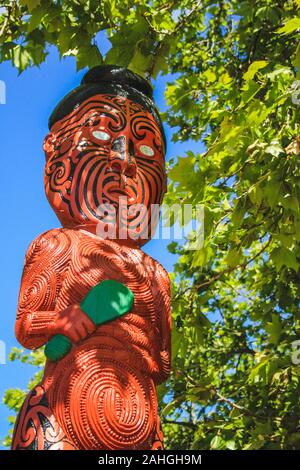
{"x": 109, "y": 79}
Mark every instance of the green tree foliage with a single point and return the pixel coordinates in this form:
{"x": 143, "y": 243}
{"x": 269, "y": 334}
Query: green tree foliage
{"x": 234, "y": 68}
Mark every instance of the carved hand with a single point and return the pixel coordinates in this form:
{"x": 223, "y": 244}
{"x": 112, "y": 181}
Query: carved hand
{"x": 106, "y": 301}
{"x": 73, "y": 323}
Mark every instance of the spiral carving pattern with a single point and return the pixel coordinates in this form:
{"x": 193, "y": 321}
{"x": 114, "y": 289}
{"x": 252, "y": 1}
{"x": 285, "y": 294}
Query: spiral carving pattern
{"x": 109, "y": 399}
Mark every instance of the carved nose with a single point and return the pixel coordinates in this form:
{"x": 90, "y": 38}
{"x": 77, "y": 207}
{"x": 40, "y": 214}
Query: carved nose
{"x": 121, "y": 158}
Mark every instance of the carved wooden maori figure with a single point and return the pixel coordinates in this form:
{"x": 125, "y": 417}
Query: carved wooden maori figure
{"x": 106, "y": 145}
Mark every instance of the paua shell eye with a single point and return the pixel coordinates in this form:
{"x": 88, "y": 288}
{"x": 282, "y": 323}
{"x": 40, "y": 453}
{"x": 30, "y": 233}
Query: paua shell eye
{"x": 146, "y": 150}
{"x": 101, "y": 135}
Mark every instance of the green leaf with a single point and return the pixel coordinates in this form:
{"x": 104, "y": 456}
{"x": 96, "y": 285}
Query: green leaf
{"x": 88, "y": 57}
{"x": 160, "y": 59}
{"x": 217, "y": 443}
{"x": 161, "y": 391}
{"x": 238, "y": 213}
{"x": 290, "y": 202}
{"x": 36, "y": 18}
{"x": 256, "y": 195}
{"x": 290, "y": 26}
{"x": 183, "y": 168}
{"x": 259, "y": 372}
{"x": 274, "y": 329}
{"x": 14, "y": 398}
{"x": 177, "y": 338}
{"x": 20, "y": 58}
{"x": 30, "y": 4}
{"x": 254, "y": 68}
{"x": 282, "y": 256}
{"x": 231, "y": 445}
{"x": 296, "y": 61}
{"x": 250, "y": 90}
{"x": 139, "y": 62}
{"x": 257, "y": 113}
{"x": 272, "y": 191}
{"x": 233, "y": 257}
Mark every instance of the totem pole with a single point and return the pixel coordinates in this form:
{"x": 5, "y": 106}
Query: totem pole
{"x": 88, "y": 292}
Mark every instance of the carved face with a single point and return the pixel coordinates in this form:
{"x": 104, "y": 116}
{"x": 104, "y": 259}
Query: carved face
{"x": 105, "y": 164}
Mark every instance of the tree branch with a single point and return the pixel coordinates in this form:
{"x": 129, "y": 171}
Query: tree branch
{"x": 182, "y": 423}
{"x": 7, "y": 18}
{"x": 233, "y": 404}
{"x": 169, "y": 34}
{"x": 225, "y": 271}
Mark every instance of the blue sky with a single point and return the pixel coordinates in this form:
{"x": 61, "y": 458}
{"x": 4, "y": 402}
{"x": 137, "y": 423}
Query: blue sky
{"x": 24, "y": 210}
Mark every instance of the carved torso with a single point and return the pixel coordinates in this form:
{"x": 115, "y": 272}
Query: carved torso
{"x": 106, "y": 384}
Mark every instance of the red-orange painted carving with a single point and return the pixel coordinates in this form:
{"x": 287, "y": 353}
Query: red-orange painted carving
{"x": 101, "y": 395}
{"x": 36, "y": 427}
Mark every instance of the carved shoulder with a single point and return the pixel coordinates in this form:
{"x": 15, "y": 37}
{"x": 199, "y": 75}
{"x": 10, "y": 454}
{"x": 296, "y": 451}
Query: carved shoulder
{"x": 41, "y": 282}
{"x": 44, "y": 262}
{"x": 48, "y": 246}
